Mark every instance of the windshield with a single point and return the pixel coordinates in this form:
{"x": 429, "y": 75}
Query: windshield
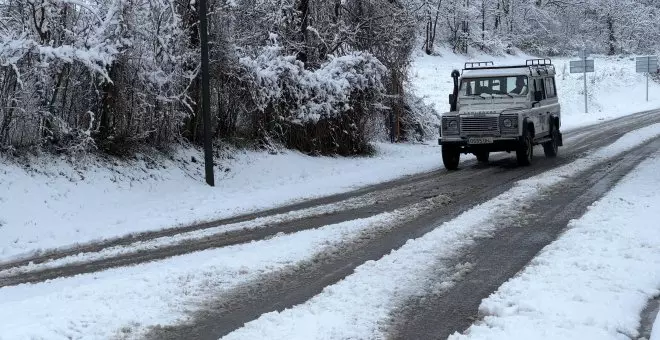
{"x": 495, "y": 87}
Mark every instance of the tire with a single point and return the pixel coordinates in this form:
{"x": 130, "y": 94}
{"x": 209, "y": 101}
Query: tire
{"x": 482, "y": 156}
{"x": 551, "y": 148}
{"x": 525, "y": 151}
{"x": 451, "y": 156}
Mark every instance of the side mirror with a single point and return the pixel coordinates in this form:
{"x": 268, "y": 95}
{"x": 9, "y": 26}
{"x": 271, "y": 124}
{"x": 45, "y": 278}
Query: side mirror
{"x": 451, "y": 98}
{"x": 538, "y": 96}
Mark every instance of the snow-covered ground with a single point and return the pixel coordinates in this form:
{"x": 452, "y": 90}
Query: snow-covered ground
{"x": 614, "y": 89}
{"x": 594, "y": 281}
{"x": 382, "y": 285}
{"x": 55, "y": 203}
{"x": 126, "y": 301}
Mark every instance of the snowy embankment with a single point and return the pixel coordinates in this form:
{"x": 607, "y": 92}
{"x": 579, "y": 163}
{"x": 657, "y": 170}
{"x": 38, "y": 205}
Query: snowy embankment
{"x": 380, "y": 286}
{"x": 53, "y": 203}
{"x": 594, "y": 281}
{"x": 614, "y": 89}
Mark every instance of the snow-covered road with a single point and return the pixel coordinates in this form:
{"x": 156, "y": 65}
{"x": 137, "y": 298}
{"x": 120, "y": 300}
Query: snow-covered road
{"x": 358, "y": 278}
{"x": 425, "y": 264}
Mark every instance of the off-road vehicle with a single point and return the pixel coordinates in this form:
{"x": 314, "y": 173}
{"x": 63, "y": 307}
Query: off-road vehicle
{"x": 502, "y": 108}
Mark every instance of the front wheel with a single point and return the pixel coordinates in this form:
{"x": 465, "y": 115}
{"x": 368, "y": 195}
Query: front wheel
{"x": 551, "y": 148}
{"x": 525, "y": 151}
{"x": 451, "y": 156}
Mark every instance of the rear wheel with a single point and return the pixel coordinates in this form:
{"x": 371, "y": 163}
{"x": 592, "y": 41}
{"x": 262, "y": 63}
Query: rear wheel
{"x": 482, "y": 156}
{"x": 551, "y": 148}
{"x": 451, "y": 156}
{"x": 525, "y": 151}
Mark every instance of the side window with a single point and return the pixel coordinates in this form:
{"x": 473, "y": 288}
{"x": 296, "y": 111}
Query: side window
{"x": 539, "y": 85}
{"x": 496, "y": 86}
{"x": 550, "y": 88}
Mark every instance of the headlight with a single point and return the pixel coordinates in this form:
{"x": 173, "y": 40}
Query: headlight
{"x": 507, "y": 123}
{"x": 450, "y": 125}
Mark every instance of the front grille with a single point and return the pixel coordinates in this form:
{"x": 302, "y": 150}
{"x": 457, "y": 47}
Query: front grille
{"x": 479, "y": 125}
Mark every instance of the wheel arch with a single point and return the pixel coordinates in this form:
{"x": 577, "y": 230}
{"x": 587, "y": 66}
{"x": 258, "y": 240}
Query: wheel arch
{"x": 528, "y": 126}
{"x": 555, "y": 121}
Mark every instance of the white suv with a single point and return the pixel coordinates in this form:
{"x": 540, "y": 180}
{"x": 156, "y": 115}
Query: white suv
{"x": 502, "y": 108}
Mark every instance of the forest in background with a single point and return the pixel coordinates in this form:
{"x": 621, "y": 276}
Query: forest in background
{"x": 319, "y": 76}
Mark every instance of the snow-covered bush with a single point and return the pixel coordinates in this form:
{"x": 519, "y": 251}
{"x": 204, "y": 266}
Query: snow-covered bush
{"x": 317, "y": 111}
{"x": 303, "y": 96}
{"x": 421, "y": 121}
{"x": 39, "y": 100}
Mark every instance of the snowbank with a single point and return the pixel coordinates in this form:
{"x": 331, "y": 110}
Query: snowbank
{"x": 614, "y": 88}
{"x": 53, "y": 203}
{"x": 594, "y": 281}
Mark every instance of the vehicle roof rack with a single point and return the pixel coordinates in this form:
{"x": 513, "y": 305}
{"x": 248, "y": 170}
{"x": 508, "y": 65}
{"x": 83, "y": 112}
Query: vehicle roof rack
{"x": 542, "y": 61}
{"x": 536, "y": 66}
{"x": 543, "y": 69}
{"x": 477, "y": 64}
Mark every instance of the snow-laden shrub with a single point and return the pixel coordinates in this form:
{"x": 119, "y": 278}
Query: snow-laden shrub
{"x": 303, "y": 96}
{"x": 40, "y": 103}
{"x": 421, "y": 121}
{"x": 322, "y": 111}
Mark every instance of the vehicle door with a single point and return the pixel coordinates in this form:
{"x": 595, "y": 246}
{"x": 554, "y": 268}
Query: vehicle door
{"x": 552, "y": 101}
{"x": 539, "y": 112}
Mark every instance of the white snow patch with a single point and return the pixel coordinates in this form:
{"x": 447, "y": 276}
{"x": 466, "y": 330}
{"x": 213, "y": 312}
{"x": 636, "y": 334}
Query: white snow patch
{"x": 594, "y": 281}
{"x": 358, "y": 306}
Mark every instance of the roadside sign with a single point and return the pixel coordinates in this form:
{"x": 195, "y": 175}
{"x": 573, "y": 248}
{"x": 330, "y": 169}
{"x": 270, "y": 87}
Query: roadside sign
{"x": 582, "y": 66}
{"x": 647, "y": 64}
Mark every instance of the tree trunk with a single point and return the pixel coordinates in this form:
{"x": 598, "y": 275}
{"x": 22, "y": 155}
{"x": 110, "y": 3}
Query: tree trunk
{"x": 428, "y": 41}
{"x": 483, "y": 24}
{"x": 303, "y": 11}
{"x": 611, "y": 41}
{"x": 497, "y": 16}
{"x": 192, "y": 125}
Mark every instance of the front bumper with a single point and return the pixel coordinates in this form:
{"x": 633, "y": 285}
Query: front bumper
{"x": 499, "y": 144}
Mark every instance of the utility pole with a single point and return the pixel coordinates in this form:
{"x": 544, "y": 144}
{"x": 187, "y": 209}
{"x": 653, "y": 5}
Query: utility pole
{"x": 206, "y": 93}
{"x": 584, "y": 60}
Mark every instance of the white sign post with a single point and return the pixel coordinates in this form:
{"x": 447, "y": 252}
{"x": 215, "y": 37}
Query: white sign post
{"x": 647, "y": 65}
{"x": 583, "y": 66}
